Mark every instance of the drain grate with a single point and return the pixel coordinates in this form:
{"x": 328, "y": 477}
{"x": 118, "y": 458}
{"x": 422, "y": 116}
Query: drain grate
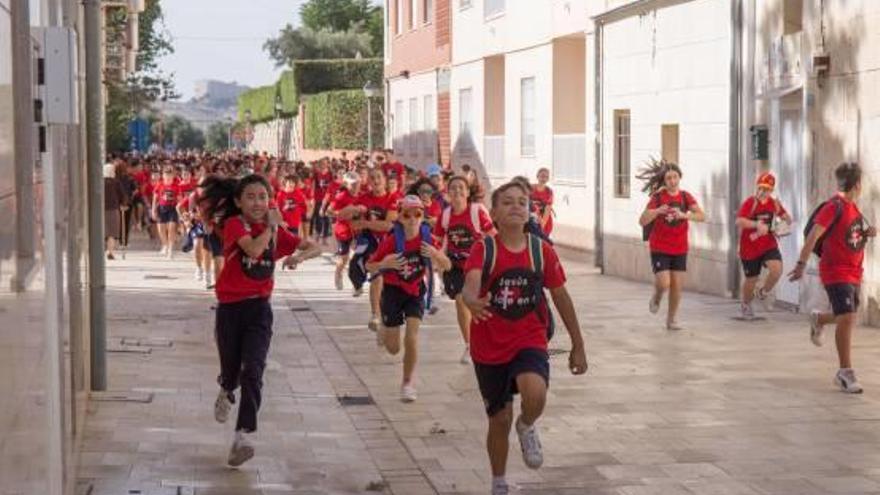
{"x": 555, "y": 351}
{"x": 355, "y": 400}
{"x": 129, "y": 349}
{"x": 145, "y": 342}
{"x": 158, "y": 277}
{"x": 300, "y": 309}
{"x": 139, "y": 397}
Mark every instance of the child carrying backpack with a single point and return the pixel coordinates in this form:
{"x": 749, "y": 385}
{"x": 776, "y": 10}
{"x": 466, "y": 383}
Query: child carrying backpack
{"x": 403, "y": 260}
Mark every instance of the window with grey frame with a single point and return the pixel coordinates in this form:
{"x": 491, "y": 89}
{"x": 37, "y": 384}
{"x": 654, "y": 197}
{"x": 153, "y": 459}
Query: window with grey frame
{"x": 622, "y": 153}
{"x": 527, "y": 116}
{"x": 427, "y": 11}
{"x": 493, "y": 7}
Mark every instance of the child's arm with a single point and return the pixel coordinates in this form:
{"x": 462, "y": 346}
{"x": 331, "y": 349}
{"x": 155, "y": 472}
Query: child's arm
{"x": 439, "y": 257}
{"x": 391, "y": 261}
{"x": 577, "y": 359}
{"x": 255, "y": 246}
{"x": 479, "y": 306}
{"x": 306, "y": 250}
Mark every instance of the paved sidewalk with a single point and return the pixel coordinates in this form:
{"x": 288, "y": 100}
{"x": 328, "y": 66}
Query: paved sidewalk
{"x": 722, "y": 407}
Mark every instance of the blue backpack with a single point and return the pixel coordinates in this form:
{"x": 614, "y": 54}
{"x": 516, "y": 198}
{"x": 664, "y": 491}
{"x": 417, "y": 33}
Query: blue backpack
{"x": 399, "y": 247}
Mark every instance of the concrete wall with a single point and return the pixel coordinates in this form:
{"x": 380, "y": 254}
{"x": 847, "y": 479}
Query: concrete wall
{"x": 670, "y": 65}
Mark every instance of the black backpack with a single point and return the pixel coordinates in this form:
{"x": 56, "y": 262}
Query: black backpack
{"x": 838, "y": 211}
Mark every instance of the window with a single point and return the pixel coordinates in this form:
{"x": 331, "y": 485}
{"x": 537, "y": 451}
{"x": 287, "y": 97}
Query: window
{"x": 412, "y": 139}
{"x": 428, "y": 142}
{"x": 669, "y": 143}
{"x": 527, "y": 116}
{"x": 427, "y": 11}
{"x": 398, "y": 9}
{"x": 398, "y": 123}
{"x": 621, "y": 153}
{"x": 493, "y": 7}
{"x": 413, "y": 7}
{"x": 465, "y": 124}
{"x": 463, "y": 4}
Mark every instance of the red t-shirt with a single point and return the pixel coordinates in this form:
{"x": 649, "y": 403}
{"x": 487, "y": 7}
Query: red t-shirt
{"x": 292, "y": 206}
{"x": 669, "y": 235}
{"x": 186, "y": 187}
{"x": 518, "y": 322}
{"x": 411, "y": 275}
{"x": 751, "y": 247}
{"x": 394, "y": 170}
{"x": 342, "y": 228}
{"x": 541, "y": 200}
{"x": 322, "y": 183}
{"x": 244, "y": 277}
{"x": 167, "y": 194}
{"x": 843, "y": 252}
{"x": 433, "y": 211}
{"x": 378, "y": 206}
{"x": 462, "y": 233}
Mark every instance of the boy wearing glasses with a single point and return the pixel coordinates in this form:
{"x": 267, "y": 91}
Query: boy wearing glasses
{"x": 403, "y": 276}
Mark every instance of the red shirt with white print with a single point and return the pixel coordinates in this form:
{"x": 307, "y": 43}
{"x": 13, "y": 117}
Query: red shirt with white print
{"x": 461, "y": 233}
{"x": 342, "y": 228}
{"x": 752, "y": 246}
{"x": 518, "y": 321}
{"x": 410, "y": 277}
{"x": 322, "y": 184}
{"x": 670, "y": 235}
{"x": 244, "y": 277}
{"x": 843, "y": 251}
{"x": 541, "y": 201}
{"x": 378, "y": 207}
{"x": 167, "y": 194}
{"x": 292, "y": 205}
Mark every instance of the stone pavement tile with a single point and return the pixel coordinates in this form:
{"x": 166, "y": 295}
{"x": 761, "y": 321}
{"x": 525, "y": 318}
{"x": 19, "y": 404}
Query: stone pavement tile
{"x": 846, "y": 484}
{"x": 729, "y": 487}
{"x": 786, "y": 486}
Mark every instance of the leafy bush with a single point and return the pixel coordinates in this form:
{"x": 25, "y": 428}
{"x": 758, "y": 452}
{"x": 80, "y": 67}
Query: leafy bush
{"x": 316, "y": 76}
{"x": 338, "y": 120}
{"x": 260, "y": 101}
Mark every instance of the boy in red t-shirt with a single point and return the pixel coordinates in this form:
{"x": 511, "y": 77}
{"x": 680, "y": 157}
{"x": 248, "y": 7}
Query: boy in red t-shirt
{"x": 403, "y": 290}
{"x": 292, "y": 203}
{"x": 757, "y": 244}
{"x": 252, "y": 243}
{"x": 542, "y": 201}
{"x": 846, "y": 232}
{"x": 510, "y": 328}
{"x": 669, "y": 211}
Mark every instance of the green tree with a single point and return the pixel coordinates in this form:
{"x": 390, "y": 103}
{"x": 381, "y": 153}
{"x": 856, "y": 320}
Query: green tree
{"x": 217, "y": 137}
{"x": 336, "y": 15}
{"x": 148, "y": 83}
{"x": 307, "y": 44}
{"x": 179, "y": 132}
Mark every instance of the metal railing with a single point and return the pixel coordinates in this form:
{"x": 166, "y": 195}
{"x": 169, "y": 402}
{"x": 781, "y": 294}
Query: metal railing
{"x": 493, "y": 153}
{"x": 570, "y": 158}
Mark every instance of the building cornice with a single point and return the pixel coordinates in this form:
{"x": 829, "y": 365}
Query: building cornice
{"x": 636, "y": 7}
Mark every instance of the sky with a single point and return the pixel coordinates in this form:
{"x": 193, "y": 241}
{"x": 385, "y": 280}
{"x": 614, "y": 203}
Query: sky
{"x": 223, "y": 40}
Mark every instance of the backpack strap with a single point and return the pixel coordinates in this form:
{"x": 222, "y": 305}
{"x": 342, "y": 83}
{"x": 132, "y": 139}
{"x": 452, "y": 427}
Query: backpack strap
{"x": 490, "y": 249}
{"x": 536, "y": 254}
{"x": 444, "y": 218}
{"x": 475, "y": 217}
{"x": 399, "y": 238}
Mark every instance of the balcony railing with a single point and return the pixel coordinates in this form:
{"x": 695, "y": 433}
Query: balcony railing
{"x": 493, "y": 155}
{"x": 570, "y": 158}
{"x": 492, "y": 8}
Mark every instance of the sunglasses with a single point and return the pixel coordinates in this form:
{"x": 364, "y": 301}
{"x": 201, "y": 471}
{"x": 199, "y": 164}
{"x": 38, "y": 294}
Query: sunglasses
{"x": 416, "y": 215}
{"x": 426, "y": 190}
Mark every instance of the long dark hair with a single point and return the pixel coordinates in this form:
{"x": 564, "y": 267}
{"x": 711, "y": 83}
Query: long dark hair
{"x": 414, "y": 188}
{"x": 848, "y": 175}
{"x": 653, "y": 175}
{"x": 219, "y": 195}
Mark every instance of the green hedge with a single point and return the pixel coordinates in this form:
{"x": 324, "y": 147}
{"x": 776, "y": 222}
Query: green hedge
{"x": 316, "y": 76}
{"x": 289, "y": 94}
{"x": 260, "y": 101}
{"x": 338, "y": 120}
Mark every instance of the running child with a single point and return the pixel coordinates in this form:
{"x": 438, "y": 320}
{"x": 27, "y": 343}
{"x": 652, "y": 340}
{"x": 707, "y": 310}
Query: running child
{"x": 757, "y": 244}
{"x": 838, "y": 236}
{"x": 165, "y": 198}
{"x": 511, "y": 322}
{"x": 403, "y": 270}
{"x": 669, "y": 212}
{"x": 542, "y": 201}
{"x": 292, "y": 203}
{"x": 342, "y": 229}
{"x": 252, "y": 243}
{"x": 461, "y": 224}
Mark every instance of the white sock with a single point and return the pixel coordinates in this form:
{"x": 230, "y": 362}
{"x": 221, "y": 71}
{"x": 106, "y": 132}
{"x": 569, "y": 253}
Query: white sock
{"x": 498, "y": 480}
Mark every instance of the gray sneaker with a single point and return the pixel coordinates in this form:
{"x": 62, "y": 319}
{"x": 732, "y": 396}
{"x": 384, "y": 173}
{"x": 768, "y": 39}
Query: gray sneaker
{"x": 748, "y": 313}
{"x": 500, "y": 488}
{"x": 816, "y": 328}
{"x": 242, "y": 449}
{"x": 653, "y": 304}
{"x": 222, "y": 406}
{"x": 767, "y": 299}
{"x": 530, "y": 443}
{"x": 846, "y": 380}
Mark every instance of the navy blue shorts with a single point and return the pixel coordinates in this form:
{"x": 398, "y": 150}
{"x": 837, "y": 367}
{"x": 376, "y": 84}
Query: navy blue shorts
{"x": 752, "y": 268}
{"x": 844, "y": 298}
{"x": 498, "y": 381}
{"x": 453, "y": 281}
{"x": 397, "y": 305}
{"x": 293, "y": 230}
{"x": 661, "y": 262}
{"x": 343, "y": 247}
{"x": 213, "y": 242}
{"x": 167, "y": 214}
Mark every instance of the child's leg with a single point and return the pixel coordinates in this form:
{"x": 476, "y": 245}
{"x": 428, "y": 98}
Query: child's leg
{"x": 228, "y": 333}
{"x": 661, "y": 285}
{"x": 533, "y": 390}
{"x": 375, "y": 295}
{"x": 391, "y": 339}
{"x": 218, "y": 266}
{"x": 774, "y": 272}
{"x": 464, "y": 318}
{"x": 497, "y": 440}
{"x": 197, "y": 253}
{"x": 410, "y": 348}
{"x": 843, "y": 338}
{"x": 675, "y": 287}
{"x": 255, "y": 347}
{"x": 748, "y": 289}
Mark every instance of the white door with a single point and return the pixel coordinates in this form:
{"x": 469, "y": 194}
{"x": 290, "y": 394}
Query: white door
{"x": 791, "y": 190}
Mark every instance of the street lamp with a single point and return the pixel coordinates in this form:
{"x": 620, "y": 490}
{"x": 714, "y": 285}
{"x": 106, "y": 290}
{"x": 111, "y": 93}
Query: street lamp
{"x": 278, "y": 108}
{"x": 247, "y": 129}
{"x": 370, "y": 91}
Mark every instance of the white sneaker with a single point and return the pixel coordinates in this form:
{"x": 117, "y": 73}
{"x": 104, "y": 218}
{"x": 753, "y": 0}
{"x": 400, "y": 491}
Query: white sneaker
{"x": 209, "y": 280}
{"x": 162, "y": 251}
{"x": 408, "y": 393}
{"x": 530, "y": 444}
{"x": 242, "y": 449}
{"x": 222, "y": 406}
{"x": 748, "y": 313}
{"x": 767, "y": 299}
{"x": 816, "y": 328}
{"x": 466, "y": 355}
{"x": 199, "y": 275}
{"x": 374, "y": 323}
{"x": 653, "y": 304}
{"x": 357, "y": 292}
{"x": 500, "y": 487}
{"x": 846, "y": 380}
{"x": 338, "y": 280}
{"x": 169, "y": 253}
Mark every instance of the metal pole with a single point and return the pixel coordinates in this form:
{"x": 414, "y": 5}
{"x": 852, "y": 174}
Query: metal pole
{"x": 23, "y": 123}
{"x": 95, "y": 183}
{"x": 369, "y": 126}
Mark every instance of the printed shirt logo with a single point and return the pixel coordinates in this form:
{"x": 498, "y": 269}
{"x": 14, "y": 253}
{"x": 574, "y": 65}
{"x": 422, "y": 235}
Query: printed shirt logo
{"x": 670, "y": 217}
{"x": 460, "y": 237}
{"x": 855, "y": 234}
{"x": 260, "y": 268}
{"x": 413, "y": 267}
{"x": 766, "y": 218}
{"x": 514, "y": 294}
{"x": 289, "y": 204}
{"x": 168, "y": 195}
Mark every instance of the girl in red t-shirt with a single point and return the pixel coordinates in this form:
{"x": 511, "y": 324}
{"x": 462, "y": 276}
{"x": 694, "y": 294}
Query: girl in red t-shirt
{"x": 510, "y": 327}
{"x": 668, "y": 212}
{"x": 252, "y": 243}
{"x": 166, "y": 194}
{"x": 292, "y": 203}
{"x": 404, "y": 275}
{"x": 756, "y": 220}
{"x": 542, "y": 201}
{"x": 844, "y": 233}
{"x": 342, "y": 230}
{"x": 460, "y": 225}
